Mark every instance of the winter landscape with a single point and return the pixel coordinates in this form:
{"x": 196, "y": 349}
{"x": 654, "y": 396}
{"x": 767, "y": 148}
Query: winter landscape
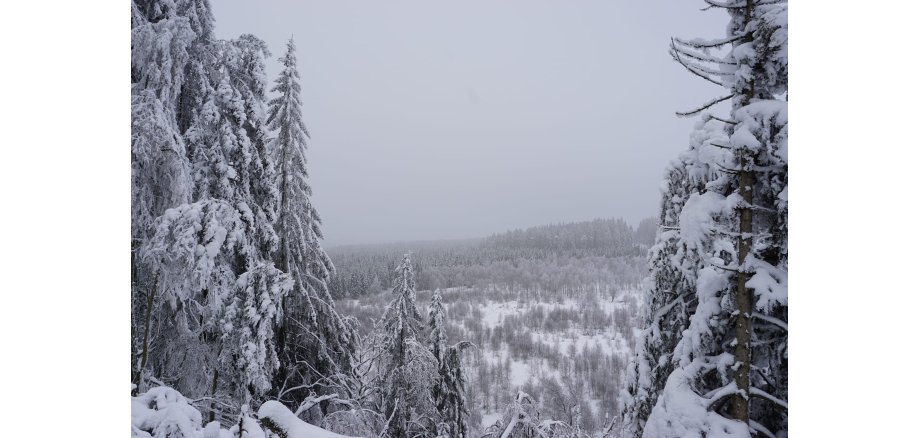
{"x": 438, "y": 288}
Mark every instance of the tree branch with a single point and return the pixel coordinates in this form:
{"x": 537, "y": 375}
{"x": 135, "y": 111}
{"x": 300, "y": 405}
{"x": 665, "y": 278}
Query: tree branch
{"x": 705, "y": 106}
{"x": 703, "y": 44}
{"x": 763, "y": 395}
{"x": 692, "y": 69}
{"x": 312, "y": 401}
{"x": 761, "y": 429}
{"x": 719, "y": 396}
{"x": 715, "y": 4}
{"x": 775, "y": 321}
{"x": 387, "y": 425}
{"x": 698, "y": 56}
{"x": 730, "y": 122}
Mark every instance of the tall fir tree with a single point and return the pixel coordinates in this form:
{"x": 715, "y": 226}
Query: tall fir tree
{"x": 312, "y": 330}
{"x": 448, "y": 390}
{"x": 160, "y": 172}
{"x": 437, "y": 336}
{"x": 205, "y": 200}
{"x": 670, "y": 288}
{"x": 729, "y": 365}
{"x": 407, "y": 368}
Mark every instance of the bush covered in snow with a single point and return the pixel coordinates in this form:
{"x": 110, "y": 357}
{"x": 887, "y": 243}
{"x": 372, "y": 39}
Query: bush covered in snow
{"x": 163, "y": 412}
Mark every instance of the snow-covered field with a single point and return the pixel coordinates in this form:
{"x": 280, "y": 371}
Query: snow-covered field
{"x": 568, "y": 349}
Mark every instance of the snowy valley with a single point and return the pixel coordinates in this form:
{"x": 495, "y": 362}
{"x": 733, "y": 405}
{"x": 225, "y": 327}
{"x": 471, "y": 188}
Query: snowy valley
{"x": 559, "y": 325}
{"x": 246, "y": 323}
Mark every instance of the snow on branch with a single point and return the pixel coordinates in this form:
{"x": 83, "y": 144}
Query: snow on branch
{"x": 312, "y": 400}
{"x": 726, "y": 5}
{"x": 742, "y": 5}
{"x": 655, "y": 324}
{"x": 705, "y": 106}
{"x": 695, "y": 68}
{"x": 282, "y": 422}
{"x": 775, "y": 321}
{"x": 681, "y": 411}
{"x": 712, "y": 117}
{"x": 683, "y": 49}
{"x": 703, "y": 44}
{"x": 761, "y": 394}
{"x": 769, "y": 282}
{"x": 720, "y": 395}
{"x": 761, "y": 429}
{"x": 389, "y": 420}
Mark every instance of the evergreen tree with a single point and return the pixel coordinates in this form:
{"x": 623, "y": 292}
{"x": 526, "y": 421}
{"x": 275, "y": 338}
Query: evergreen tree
{"x": 312, "y": 330}
{"x": 408, "y": 369}
{"x": 670, "y": 288}
{"x": 521, "y": 418}
{"x": 437, "y": 337}
{"x": 451, "y": 387}
{"x": 160, "y": 171}
{"x": 729, "y": 364}
{"x": 448, "y": 391}
{"x": 205, "y": 201}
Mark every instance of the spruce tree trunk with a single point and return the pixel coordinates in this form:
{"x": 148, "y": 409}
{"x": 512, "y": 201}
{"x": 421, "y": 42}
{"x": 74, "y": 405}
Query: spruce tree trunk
{"x": 135, "y": 369}
{"x": 213, "y": 393}
{"x": 285, "y": 261}
{"x": 740, "y": 404}
{"x": 151, "y": 295}
{"x": 133, "y": 354}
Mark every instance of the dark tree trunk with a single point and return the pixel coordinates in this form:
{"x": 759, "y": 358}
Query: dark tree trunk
{"x": 213, "y": 398}
{"x": 151, "y": 296}
{"x": 741, "y": 404}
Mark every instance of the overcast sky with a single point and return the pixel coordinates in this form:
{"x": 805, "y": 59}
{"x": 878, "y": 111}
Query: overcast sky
{"x": 435, "y": 119}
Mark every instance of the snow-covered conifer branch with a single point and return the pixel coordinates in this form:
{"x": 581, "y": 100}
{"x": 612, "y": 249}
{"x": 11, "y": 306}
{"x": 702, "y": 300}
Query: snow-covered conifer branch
{"x": 702, "y": 44}
{"x": 772, "y": 320}
{"x": 695, "y": 68}
{"x": 730, "y": 122}
{"x": 705, "y": 106}
{"x": 759, "y": 393}
{"x": 682, "y": 48}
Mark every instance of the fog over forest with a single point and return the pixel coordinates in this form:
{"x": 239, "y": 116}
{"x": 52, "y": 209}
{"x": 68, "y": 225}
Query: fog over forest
{"x": 423, "y": 116}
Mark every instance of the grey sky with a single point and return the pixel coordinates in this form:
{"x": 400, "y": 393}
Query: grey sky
{"x": 459, "y": 119}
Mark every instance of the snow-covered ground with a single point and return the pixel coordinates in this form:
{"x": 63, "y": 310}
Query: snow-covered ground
{"x": 527, "y": 339}
{"x": 610, "y": 341}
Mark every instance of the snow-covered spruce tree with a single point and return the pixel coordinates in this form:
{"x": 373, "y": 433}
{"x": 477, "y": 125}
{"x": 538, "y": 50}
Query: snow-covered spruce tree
{"x": 159, "y": 166}
{"x": 314, "y": 341}
{"x": 730, "y": 363}
{"x": 407, "y": 368}
{"x": 670, "y": 288}
{"x": 521, "y": 418}
{"x": 166, "y": 35}
{"x": 217, "y": 290}
{"x": 448, "y": 391}
{"x": 437, "y": 336}
{"x": 221, "y": 335}
{"x": 451, "y": 400}
{"x": 232, "y": 164}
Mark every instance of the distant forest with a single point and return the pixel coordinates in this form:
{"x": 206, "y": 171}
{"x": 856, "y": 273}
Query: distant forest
{"x": 538, "y": 257}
